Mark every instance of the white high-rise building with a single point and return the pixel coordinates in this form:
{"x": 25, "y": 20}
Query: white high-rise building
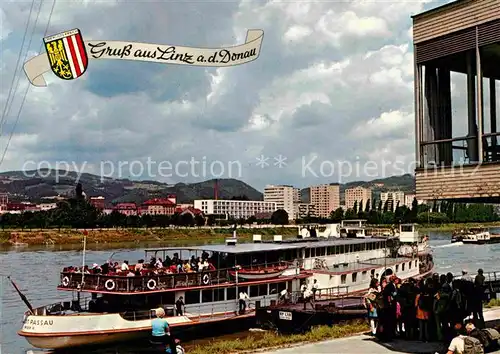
{"x": 392, "y": 199}
{"x": 237, "y": 209}
{"x": 284, "y": 197}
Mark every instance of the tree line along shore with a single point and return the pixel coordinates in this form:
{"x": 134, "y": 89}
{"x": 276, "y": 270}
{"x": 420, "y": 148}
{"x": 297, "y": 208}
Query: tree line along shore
{"x": 79, "y": 213}
{"x": 180, "y": 236}
{"x": 175, "y": 235}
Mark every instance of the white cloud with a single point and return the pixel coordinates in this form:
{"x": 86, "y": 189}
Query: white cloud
{"x": 325, "y": 71}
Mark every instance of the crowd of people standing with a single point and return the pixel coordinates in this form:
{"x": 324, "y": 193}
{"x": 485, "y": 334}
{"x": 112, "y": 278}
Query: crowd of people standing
{"x": 425, "y": 310}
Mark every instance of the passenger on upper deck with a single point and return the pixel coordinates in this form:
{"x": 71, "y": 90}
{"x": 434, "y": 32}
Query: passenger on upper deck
{"x": 96, "y": 269}
{"x": 187, "y": 267}
{"x": 139, "y": 266}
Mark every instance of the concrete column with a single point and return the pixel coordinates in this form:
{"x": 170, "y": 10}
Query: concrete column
{"x": 480, "y": 121}
{"x": 493, "y": 110}
{"x": 472, "y": 146}
{"x": 418, "y": 112}
{"x": 444, "y": 116}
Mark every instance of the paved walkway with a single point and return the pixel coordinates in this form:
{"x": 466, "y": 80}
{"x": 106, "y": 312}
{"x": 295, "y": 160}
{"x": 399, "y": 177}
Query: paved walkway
{"x": 365, "y": 344}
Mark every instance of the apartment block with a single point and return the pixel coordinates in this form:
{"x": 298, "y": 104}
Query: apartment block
{"x": 326, "y": 199}
{"x": 237, "y": 209}
{"x": 357, "y": 194}
{"x": 303, "y": 210}
{"x": 392, "y": 199}
{"x": 284, "y": 197}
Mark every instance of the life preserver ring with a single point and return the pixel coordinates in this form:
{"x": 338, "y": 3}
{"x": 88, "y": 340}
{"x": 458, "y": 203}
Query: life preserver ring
{"x": 206, "y": 279}
{"x": 151, "y": 284}
{"x": 65, "y": 281}
{"x": 110, "y": 284}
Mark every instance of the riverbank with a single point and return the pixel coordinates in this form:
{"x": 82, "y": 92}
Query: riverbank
{"x": 452, "y": 227}
{"x": 269, "y": 340}
{"x": 130, "y": 237}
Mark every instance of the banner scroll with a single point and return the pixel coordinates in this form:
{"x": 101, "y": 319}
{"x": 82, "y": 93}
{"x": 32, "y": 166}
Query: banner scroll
{"x": 68, "y": 54}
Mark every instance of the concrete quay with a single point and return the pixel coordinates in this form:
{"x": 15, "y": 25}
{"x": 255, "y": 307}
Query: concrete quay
{"x": 363, "y": 344}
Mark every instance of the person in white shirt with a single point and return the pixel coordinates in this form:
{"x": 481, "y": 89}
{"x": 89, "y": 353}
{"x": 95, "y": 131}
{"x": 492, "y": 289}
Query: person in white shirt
{"x": 457, "y": 345}
{"x": 315, "y": 288}
{"x": 124, "y": 266}
{"x": 303, "y": 289}
{"x": 243, "y": 302}
{"x": 466, "y": 276}
{"x": 308, "y": 298}
{"x": 283, "y": 296}
{"x": 159, "y": 263}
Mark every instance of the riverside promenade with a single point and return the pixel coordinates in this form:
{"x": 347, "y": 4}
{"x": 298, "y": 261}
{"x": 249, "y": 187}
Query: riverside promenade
{"x": 363, "y": 344}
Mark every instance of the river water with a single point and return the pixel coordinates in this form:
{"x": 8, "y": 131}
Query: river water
{"x": 36, "y": 272}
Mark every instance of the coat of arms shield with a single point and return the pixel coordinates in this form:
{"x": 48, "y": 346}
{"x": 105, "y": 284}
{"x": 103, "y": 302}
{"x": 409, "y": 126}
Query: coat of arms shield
{"x": 67, "y": 55}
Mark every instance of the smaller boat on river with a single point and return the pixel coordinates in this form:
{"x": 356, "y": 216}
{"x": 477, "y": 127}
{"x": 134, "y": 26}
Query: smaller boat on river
{"x": 475, "y": 236}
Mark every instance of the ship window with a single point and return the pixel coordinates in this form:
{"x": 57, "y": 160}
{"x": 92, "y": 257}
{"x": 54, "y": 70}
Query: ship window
{"x": 415, "y": 262}
{"x": 263, "y": 290}
{"x": 357, "y": 247}
{"x": 331, "y": 250}
{"x": 308, "y": 253}
{"x": 343, "y": 278}
{"x": 337, "y": 250}
{"x": 364, "y": 274}
{"x": 409, "y": 265}
{"x": 207, "y": 296}
{"x": 281, "y": 287}
{"x": 354, "y": 277}
{"x": 403, "y": 267}
{"x": 372, "y": 272}
{"x": 192, "y": 297}
{"x": 168, "y": 298}
{"x": 273, "y": 288}
{"x": 313, "y": 252}
{"x": 218, "y": 294}
{"x": 231, "y": 293}
{"x": 254, "y": 291}
{"x": 397, "y": 268}
{"x": 242, "y": 289}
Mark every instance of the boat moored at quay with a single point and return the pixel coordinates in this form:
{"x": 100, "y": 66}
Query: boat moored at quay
{"x": 119, "y": 306}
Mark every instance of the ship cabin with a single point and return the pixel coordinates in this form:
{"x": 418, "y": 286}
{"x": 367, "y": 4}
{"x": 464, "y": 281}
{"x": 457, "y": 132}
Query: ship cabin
{"x": 262, "y": 269}
{"x": 271, "y": 265}
{"x": 353, "y": 228}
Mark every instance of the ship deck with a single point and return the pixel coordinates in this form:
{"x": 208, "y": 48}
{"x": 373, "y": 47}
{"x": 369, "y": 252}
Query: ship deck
{"x": 298, "y": 243}
{"x": 363, "y": 265}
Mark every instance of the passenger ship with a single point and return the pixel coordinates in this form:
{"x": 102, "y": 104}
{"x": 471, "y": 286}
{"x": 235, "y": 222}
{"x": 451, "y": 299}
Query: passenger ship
{"x": 120, "y": 308}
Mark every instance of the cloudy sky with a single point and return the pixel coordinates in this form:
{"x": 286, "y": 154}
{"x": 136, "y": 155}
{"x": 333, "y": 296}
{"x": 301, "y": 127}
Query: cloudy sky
{"x": 333, "y": 84}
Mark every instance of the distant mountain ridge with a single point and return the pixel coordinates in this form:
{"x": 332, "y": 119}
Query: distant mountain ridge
{"x": 47, "y": 183}
{"x": 22, "y": 185}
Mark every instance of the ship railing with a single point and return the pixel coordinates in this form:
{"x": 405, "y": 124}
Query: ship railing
{"x": 325, "y": 294}
{"x": 62, "y": 307}
{"x": 488, "y": 276}
{"x": 200, "y": 313}
{"x": 152, "y": 282}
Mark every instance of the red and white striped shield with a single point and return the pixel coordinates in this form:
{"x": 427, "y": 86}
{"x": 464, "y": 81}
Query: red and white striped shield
{"x": 67, "y": 55}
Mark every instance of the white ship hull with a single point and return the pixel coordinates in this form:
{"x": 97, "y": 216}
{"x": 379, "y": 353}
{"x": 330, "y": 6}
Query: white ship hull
{"x": 60, "y": 332}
